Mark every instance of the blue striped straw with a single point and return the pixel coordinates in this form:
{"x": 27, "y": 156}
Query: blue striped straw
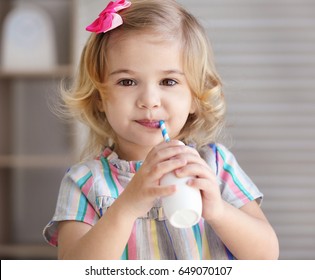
{"x": 164, "y": 131}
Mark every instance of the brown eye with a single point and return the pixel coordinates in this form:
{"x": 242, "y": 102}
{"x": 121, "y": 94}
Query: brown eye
{"x": 168, "y": 82}
{"x": 127, "y": 83}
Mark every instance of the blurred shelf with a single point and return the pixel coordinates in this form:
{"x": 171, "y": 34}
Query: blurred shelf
{"x": 27, "y": 251}
{"x": 57, "y": 72}
{"x": 32, "y": 173}
{"x": 34, "y": 161}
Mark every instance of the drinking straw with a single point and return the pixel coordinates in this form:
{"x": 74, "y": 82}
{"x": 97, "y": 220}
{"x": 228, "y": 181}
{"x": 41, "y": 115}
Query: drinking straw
{"x": 164, "y": 131}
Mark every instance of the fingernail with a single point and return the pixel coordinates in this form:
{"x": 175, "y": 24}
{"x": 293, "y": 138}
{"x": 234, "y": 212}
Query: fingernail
{"x": 178, "y": 171}
{"x": 190, "y": 182}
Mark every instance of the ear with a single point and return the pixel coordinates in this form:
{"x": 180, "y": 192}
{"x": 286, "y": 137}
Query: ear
{"x": 193, "y": 106}
{"x": 99, "y": 102}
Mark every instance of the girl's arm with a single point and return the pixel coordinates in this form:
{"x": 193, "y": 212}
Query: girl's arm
{"x": 108, "y": 238}
{"x": 246, "y": 232}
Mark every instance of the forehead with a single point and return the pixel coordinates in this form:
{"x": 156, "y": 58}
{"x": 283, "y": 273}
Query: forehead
{"x": 143, "y": 49}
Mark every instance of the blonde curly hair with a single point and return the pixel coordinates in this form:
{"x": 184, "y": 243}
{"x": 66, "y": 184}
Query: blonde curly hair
{"x": 171, "y": 21}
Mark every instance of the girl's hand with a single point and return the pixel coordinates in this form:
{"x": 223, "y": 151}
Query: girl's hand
{"x": 204, "y": 180}
{"x": 144, "y": 188}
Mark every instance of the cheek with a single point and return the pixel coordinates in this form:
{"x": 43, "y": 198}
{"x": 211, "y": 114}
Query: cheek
{"x": 110, "y": 112}
{"x": 116, "y": 112}
{"x": 181, "y": 114}
{"x": 188, "y": 104}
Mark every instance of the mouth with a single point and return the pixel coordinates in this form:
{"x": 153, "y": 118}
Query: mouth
{"x": 149, "y": 123}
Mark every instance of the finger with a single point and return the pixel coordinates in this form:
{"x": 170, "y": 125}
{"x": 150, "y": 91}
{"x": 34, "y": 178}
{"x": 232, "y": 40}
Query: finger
{"x": 161, "y": 191}
{"x": 190, "y": 155}
{"x": 167, "y": 166}
{"x": 202, "y": 184}
{"x": 195, "y": 170}
{"x": 167, "y": 150}
{"x": 170, "y": 144}
{"x": 163, "y": 153}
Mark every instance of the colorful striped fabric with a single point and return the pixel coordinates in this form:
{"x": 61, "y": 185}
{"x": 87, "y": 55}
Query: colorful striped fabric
{"x": 89, "y": 188}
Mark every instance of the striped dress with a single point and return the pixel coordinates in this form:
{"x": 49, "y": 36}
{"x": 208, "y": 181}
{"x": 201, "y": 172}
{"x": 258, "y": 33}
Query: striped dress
{"x": 89, "y": 188}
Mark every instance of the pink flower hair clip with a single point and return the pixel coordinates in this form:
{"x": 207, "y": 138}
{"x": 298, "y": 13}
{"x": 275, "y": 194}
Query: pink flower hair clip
{"x": 109, "y": 19}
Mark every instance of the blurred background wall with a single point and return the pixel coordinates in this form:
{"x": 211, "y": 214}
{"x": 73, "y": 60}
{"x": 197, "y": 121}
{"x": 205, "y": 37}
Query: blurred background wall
{"x": 265, "y": 54}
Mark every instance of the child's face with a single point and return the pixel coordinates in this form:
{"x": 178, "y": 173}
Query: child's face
{"x": 146, "y": 83}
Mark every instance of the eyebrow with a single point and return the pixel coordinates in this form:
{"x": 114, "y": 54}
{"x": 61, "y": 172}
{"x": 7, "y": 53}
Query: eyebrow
{"x": 174, "y": 72}
{"x": 121, "y": 71}
{"x": 127, "y": 71}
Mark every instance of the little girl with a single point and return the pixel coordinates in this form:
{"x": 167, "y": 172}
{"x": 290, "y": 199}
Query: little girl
{"x": 147, "y": 61}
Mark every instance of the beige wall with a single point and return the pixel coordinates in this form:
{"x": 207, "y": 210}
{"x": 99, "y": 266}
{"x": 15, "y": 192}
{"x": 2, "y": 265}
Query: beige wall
{"x": 265, "y": 53}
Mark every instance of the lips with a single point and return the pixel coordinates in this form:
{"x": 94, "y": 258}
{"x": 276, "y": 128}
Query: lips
{"x": 149, "y": 123}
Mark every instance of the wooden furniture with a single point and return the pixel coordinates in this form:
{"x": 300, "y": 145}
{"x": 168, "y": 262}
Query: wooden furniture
{"x": 35, "y": 145}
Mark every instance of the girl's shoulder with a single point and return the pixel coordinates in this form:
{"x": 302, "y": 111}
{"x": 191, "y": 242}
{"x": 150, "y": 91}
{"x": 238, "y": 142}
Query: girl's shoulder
{"x": 89, "y": 175}
{"x": 215, "y": 153}
{"x": 89, "y": 167}
{"x": 84, "y": 170}
{"x": 236, "y": 186}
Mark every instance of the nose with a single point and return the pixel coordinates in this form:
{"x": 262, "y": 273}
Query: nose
{"x": 149, "y": 98}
